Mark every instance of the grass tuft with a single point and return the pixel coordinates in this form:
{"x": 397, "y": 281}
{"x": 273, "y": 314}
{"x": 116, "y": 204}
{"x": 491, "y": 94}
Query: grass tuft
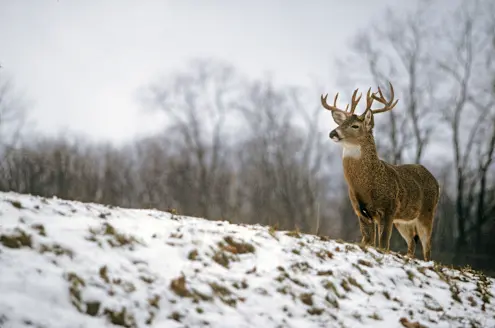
{"x": 240, "y": 285}
{"x": 408, "y": 324}
{"x": 294, "y": 233}
{"x": 431, "y": 303}
{"x": 301, "y": 266}
{"x": 315, "y": 311}
{"x": 327, "y": 284}
{"x": 103, "y": 272}
{"x": 332, "y": 301}
{"x": 56, "y": 249}
{"x": 375, "y": 316}
{"x": 224, "y": 294}
{"x": 178, "y": 286}
{"x": 306, "y": 298}
{"x": 76, "y": 283}
{"x": 410, "y": 275}
{"x": 193, "y": 255}
{"x": 120, "y": 318}
{"x": 17, "y": 204}
{"x": 365, "y": 263}
{"x": 112, "y": 236}
{"x": 92, "y": 308}
{"x": 222, "y": 258}
{"x": 154, "y": 301}
{"x": 40, "y": 228}
{"x": 324, "y": 254}
{"x": 236, "y": 247}
{"x": 345, "y": 284}
{"x": 18, "y": 239}
{"x": 272, "y": 230}
{"x": 325, "y": 273}
{"x": 355, "y": 283}
{"x": 176, "y": 316}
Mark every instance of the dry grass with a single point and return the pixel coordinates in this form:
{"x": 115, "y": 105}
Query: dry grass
{"x": 17, "y": 239}
{"x": 294, "y": 233}
{"x": 113, "y": 237}
{"x": 56, "y": 249}
{"x": 237, "y": 247}
{"x": 17, "y": 204}
{"x": 120, "y": 317}
{"x": 39, "y": 228}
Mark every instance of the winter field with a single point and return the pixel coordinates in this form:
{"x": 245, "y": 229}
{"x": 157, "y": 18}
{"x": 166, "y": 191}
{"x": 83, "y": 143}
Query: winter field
{"x": 70, "y": 264}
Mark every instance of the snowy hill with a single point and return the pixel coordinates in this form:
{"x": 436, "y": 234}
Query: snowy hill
{"x": 69, "y": 264}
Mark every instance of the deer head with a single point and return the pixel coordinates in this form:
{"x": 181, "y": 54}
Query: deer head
{"x": 351, "y": 127}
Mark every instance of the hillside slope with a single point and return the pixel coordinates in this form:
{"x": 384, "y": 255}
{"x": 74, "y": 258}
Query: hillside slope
{"x": 70, "y": 264}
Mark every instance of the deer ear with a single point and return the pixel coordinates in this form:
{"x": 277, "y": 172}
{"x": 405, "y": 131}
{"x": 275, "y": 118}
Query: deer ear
{"x": 339, "y": 117}
{"x": 368, "y": 120}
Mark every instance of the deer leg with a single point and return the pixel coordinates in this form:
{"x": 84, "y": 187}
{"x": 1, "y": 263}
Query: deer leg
{"x": 424, "y": 234}
{"x": 367, "y": 231}
{"x": 385, "y": 232}
{"x": 408, "y": 231}
{"x": 375, "y": 231}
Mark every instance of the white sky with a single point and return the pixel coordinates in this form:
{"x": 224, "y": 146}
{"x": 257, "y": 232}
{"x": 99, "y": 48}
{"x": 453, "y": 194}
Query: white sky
{"x": 81, "y": 62}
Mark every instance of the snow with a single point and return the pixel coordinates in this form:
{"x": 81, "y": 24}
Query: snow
{"x": 87, "y": 262}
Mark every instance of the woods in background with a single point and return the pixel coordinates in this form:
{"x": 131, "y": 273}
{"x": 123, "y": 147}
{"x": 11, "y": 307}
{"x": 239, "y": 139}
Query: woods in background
{"x": 252, "y": 151}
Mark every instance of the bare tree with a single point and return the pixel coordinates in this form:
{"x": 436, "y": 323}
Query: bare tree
{"x": 197, "y": 103}
{"x": 281, "y": 158}
{"x": 61, "y": 166}
{"x": 398, "y": 49}
{"x": 13, "y": 115}
{"x": 153, "y": 164}
{"x": 118, "y": 177}
{"x": 468, "y": 109}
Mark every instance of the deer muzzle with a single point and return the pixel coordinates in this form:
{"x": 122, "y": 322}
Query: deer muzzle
{"x": 334, "y": 135}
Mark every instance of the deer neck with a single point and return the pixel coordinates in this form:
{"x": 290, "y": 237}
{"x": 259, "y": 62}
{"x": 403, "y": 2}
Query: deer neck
{"x": 361, "y": 162}
{"x": 363, "y": 150}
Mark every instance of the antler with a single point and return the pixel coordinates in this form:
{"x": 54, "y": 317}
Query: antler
{"x": 354, "y": 103}
{"x": 388, "y": 104}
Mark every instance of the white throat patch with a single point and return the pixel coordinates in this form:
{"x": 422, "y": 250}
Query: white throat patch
{"x": 352, "y": 151}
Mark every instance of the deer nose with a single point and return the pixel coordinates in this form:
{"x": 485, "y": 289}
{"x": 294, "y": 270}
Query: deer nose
{"x": 334, "y": 134}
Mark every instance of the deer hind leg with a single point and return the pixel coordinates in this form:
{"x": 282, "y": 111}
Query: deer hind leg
{"x": 408, "y": 232}
{"x": 424, "y": 227}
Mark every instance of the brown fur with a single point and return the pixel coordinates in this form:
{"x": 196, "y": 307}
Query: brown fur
{"x": 383, "y": 194}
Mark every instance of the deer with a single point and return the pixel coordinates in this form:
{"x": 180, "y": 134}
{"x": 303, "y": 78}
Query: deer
{"x": 383, "y": 195}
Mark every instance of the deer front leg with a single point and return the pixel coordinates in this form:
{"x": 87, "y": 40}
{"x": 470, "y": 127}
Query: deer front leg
{"x": 385, "y": 232}
{"x": 367, "y": 232}
{"x": 366, "y": 224}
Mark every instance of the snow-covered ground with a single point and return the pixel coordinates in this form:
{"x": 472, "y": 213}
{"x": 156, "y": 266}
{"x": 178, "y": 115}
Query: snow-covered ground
{"x": 70, "y": 264}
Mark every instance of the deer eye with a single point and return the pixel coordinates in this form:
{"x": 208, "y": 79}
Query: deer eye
{"x": 355, "y": 126}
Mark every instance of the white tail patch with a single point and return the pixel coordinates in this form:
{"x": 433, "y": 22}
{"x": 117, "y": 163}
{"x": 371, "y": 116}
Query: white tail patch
{"x": 352, "y": 151}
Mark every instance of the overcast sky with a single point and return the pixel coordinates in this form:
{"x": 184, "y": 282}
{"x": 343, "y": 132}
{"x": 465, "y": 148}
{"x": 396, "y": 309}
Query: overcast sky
{"x": 80, "y": 63}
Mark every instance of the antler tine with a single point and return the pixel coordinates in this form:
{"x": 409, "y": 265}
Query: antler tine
{"x": 354, "y": 101}
{"x": 369, "y": 99}
{"x": 329, "y": 107}
{"x": 388, "y": 104}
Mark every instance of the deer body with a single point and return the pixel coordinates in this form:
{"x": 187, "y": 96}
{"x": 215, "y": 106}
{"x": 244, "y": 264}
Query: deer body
{"x": 381, "y": 194}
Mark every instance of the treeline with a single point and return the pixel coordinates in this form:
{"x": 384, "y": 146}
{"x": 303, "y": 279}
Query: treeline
{"x": 253, "y": 151}
{"x": 233, "y": 149}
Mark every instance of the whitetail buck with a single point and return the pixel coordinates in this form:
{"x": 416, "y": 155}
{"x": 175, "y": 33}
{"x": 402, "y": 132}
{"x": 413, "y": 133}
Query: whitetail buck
{"x": 383, "y": 194}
